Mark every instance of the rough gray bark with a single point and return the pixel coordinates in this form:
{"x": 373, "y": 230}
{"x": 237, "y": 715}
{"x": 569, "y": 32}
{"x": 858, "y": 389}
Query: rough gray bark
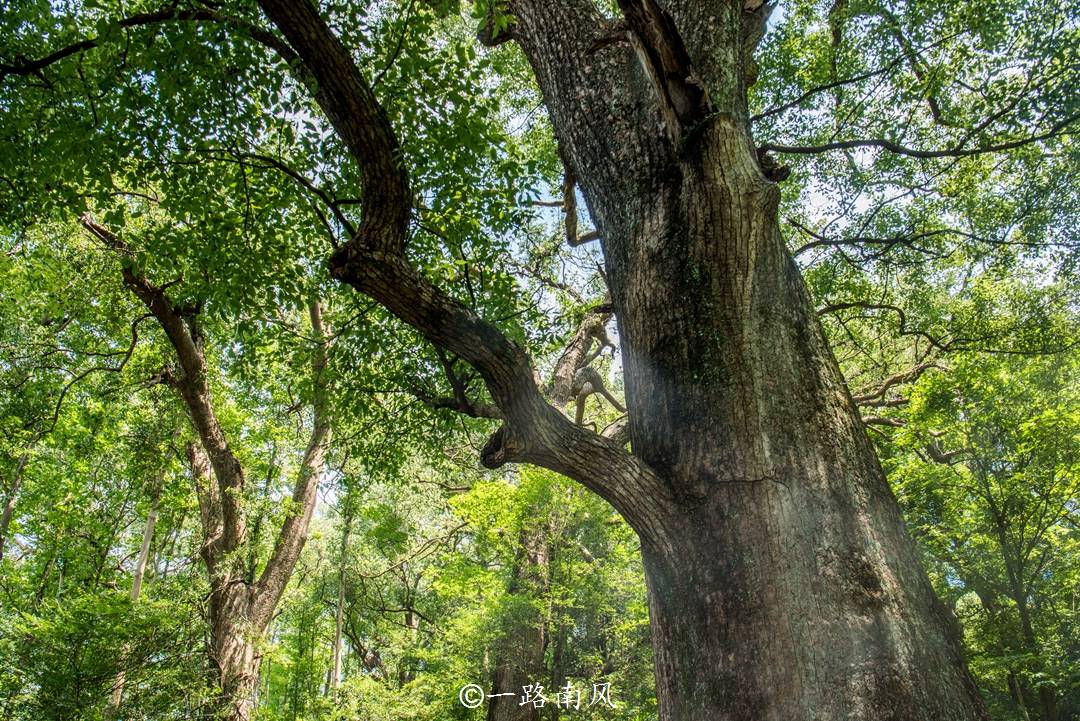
{"x": 782, "y": 581}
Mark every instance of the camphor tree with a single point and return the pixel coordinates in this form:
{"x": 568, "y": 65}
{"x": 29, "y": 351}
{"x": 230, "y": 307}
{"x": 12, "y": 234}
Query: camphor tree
{"x": 782, "y": 582}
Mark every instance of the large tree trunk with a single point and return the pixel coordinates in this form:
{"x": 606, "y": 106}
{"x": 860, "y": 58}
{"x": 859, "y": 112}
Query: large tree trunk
{"x": 786, "y": 585}
{"x": 782, "y": 581}
{"x": 233, "y": 634}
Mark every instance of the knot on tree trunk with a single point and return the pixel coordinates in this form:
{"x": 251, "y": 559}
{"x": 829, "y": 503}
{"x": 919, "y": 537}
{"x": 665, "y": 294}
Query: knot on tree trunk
{"x": 344, "y": 262}
{"x": 504, "y": 446}
{"x": 773, "y": 169}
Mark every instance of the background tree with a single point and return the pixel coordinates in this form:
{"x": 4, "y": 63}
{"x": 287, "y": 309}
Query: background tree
{"x": 987, "y": 462}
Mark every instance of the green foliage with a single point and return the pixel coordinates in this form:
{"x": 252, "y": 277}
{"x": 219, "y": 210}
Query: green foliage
{"x": 987, "y": 468}
{"x": 454, "y": 569}
{"x": 947, "y": 286}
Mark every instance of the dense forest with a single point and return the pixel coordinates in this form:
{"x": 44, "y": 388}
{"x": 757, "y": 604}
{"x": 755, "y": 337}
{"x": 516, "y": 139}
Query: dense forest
{"x": 420, "y": 360}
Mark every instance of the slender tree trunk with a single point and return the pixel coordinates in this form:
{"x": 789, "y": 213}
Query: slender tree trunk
{"x": 5, "y": 520}
{"x": 239, "y": 611}
{"x": 1017, "y": 694}
{"x": 339, "y": 611}
{"x": 1047, "y": 694}
{"x": 558, "y": 665}
{"x": 1004, "y": 645}
{"x": 136, "y": 586}
{"x": 1014, "y": 573}
{"x": 407, "y": 669}
{"x": 9, "y": 501}
{"x": 144, "y": 549}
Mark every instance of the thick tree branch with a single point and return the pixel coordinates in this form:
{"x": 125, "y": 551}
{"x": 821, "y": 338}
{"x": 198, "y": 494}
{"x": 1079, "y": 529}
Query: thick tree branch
{"x": 575, "y": 356}
{"x": 374, "y": 262}
{"x": 875, "y": 395}
{"x": 588, "y": 381}
{"x": 587, "y": 237}
{"x": 618, "y": 431}
{"x": 881, "y": 421}
{"x": 945, "y": 458}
